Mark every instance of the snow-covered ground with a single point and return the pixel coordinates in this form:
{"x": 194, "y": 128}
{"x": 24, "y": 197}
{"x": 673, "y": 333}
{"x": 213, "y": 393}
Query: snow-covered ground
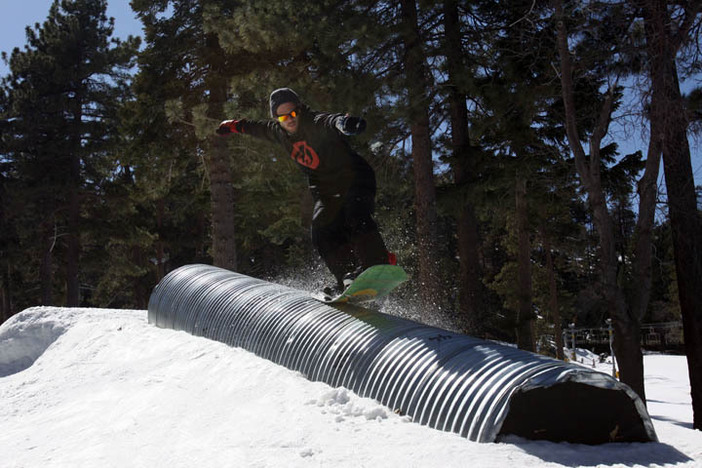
{"x": 102, "y": 388}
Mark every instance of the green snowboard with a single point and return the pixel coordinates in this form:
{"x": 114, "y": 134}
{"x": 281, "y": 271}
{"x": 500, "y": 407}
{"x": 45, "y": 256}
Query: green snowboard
{"x": 376, "y": 282}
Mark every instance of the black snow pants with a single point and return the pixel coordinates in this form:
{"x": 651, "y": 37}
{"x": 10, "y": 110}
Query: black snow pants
{"x": 345, "y": 234}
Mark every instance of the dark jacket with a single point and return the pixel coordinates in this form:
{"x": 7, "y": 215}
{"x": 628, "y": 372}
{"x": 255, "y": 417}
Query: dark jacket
{"x": 323, "y": 153}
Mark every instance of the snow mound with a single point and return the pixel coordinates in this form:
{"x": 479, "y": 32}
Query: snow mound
{"x": 343, "y": 403}
{"x": 108, "y": 389}
{"x": 25, "y": 337}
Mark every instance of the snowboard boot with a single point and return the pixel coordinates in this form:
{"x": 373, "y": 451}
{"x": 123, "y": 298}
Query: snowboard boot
{"x": 351, "y": 276}
{"x": 337, "y": 288}
{"x": 332, "y": 291}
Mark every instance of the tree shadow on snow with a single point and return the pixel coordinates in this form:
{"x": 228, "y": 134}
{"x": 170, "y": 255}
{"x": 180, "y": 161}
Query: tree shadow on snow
{"x": 629, "y": 454}
{"x": 686, "y": 425}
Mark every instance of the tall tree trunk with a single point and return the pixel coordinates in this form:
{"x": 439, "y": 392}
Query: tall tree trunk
{"x": 5, "y": 283}
{"x": 73, "y": 241}
{"x": 217, "y": 160}
{"x": 46, "y": 274}
{"x": 525, "y": 314}
{"x": 160, "y": 253}
{"x": 425, "y": 191}
{"x": 627, "y": 329}
{"x": 5, "y": 295}
{"x": 222, "y": 198}
{"x": 73, "y": 224}
{"x": 141, "y": 290}
{"x": 663, "y": 43}
{"x": 643, "y": 236}
{"x": 470, "y": 286}
{"x": 553, "y": 295}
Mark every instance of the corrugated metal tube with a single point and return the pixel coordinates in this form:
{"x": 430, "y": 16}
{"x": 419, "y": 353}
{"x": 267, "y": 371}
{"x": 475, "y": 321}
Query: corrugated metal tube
{"x": 478, "y": 389}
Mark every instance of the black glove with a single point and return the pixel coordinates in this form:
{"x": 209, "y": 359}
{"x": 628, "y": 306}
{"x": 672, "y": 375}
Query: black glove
{"x": 351, "y": 125}
{"x": 227, "y": 127}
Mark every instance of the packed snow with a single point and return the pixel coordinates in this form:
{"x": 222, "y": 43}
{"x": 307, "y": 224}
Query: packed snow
{"x": 104, "y": 388}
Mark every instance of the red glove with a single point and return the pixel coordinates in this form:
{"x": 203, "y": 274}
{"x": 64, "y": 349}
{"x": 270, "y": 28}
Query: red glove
{"x": 228, "y": 126}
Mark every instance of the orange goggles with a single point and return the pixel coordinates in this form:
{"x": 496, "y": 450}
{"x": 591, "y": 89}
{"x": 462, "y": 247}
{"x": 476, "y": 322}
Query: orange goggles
{"x": 285, "y": 117}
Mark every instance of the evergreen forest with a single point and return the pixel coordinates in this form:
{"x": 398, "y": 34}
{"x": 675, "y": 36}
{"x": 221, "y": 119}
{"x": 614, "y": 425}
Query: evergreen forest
{"x": 500, "y": 132}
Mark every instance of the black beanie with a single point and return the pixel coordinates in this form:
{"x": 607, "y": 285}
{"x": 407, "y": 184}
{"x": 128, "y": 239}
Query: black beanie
{"x": 282, "y": 95}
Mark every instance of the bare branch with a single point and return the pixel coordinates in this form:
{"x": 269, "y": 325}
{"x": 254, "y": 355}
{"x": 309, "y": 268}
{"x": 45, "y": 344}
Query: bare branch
{"x": 692, "y": 10}
{"x": 601, "y": 129}
{"x": 568, "y": 96}
{"x": 523, "y": 18}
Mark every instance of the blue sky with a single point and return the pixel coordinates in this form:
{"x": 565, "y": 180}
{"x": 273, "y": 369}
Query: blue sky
{"x": 16, "y": 15}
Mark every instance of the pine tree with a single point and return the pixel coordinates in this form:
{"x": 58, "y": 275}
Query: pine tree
{"x": 511, "y": 122}
{"x": 464, "y": 163}
{"x": 626, "y": 295}
{"x": 63, "y": 92}
{"x": 183, "y": 64}
{"x": 7, "y": 176}
{"x": 668, "y": 28}
{"x": 417, "y": 84}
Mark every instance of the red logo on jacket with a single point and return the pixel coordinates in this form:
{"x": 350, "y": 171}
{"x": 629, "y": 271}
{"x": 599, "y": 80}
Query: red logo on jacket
{"x": 304, "y": 154}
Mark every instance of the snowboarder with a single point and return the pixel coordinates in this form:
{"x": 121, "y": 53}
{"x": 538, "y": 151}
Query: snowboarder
{"x": 342, "y": 183}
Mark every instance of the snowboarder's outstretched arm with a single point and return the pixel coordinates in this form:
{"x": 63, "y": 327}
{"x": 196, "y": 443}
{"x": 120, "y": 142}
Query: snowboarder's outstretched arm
{"x": 344, "y": 123}
{"x": 228, "y": 126}
{"x": 259, "y": 129}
